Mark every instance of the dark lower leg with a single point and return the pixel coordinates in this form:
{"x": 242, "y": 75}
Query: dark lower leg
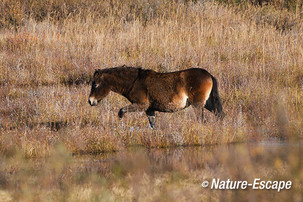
{"x": 151, "y": 118}
{"x": 203, "y": 116}
{"x": 131, "y": 108}
{"x": 199, "y": 111}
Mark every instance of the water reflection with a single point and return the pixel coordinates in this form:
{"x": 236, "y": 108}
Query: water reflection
{"x": 233, "y": 158}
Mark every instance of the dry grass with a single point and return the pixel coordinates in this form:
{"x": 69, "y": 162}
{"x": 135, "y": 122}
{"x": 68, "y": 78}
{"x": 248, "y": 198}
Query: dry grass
{"x": 45, "y": 68}
{"x": 48, "y": 56}
{"x": 155, "y": 175}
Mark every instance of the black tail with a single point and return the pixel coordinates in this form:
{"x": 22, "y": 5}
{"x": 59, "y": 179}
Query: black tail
{"x": 213, "y": 103}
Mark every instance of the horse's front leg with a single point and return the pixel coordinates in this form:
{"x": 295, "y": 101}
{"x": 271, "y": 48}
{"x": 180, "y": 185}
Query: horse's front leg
{"x": 151, "y": 117}
{"x": 132, "y": 108}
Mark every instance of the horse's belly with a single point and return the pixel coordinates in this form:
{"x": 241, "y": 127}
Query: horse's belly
{"x": 177, "y": 102}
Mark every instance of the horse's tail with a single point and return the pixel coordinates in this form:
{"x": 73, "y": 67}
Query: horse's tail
{"x": 214, "y": 103}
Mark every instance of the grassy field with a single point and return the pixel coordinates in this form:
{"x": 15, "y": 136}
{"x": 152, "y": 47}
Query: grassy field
{"x": 50, "y": 49}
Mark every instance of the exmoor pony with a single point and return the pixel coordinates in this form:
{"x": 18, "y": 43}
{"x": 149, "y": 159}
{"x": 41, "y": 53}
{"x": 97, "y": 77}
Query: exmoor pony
{"x": 151, "y": 91}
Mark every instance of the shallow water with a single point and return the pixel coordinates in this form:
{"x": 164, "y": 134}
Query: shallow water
{"x": 259, "y": 154}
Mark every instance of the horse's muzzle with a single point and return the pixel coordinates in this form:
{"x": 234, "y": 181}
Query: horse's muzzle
{"x": 92, "y": 101}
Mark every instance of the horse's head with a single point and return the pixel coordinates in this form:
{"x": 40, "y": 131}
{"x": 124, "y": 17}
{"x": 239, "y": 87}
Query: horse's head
{"x": 99, "y": 89}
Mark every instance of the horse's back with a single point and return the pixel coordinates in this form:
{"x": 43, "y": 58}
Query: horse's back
{"x": 196, "y": 75}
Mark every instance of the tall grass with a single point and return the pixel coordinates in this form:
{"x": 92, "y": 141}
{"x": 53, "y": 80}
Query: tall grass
{"x": 50, "y": 49}
{"x": 154, "y": 175}
{"x": 49, "y": 54}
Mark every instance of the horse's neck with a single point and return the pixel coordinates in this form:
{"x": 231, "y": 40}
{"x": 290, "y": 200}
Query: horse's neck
{"x": 122, "y": 81}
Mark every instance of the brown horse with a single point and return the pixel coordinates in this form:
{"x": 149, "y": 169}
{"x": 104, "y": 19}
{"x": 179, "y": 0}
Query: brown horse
{"x": 151, "y": 91}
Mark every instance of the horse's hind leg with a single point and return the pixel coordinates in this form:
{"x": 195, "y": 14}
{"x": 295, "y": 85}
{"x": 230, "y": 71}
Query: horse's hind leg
{"x": 151, "y": 117}
{"x": 199, "y": 111}
{"x": 200, "y": 98}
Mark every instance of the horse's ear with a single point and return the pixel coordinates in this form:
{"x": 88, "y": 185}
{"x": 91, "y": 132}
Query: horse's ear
{"x": 89, "y": 82}
{"x": 97, "y": 72}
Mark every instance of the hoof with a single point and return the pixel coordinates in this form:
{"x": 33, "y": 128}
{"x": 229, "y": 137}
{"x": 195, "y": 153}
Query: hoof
{"x": 152, "y": 127}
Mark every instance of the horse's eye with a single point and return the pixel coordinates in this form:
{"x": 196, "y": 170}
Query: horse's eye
{"x": 95, "y": 85}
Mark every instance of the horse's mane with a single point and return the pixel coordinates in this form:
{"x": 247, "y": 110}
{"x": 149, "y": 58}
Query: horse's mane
{"x": 122, "y": 68}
